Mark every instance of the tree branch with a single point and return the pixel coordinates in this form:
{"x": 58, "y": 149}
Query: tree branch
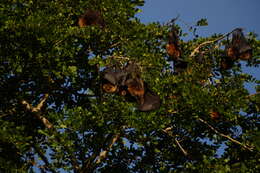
{"x": 196, "y": 50}
{"x": 252, "y": 95}
{"x": 43, "y": 157}
{"x": 43, "y": 100}
{"x": 36, "y": 111}
{"x": 182, "y": 149}
{"x": 167, "y": 130}
{"x": 226, "y": 136}
{"x": 103, "y": 154}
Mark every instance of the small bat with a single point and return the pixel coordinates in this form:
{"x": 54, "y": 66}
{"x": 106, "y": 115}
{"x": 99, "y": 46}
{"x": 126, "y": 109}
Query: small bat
{"x": 239, "y": 47}
{"x": 91, "y": 17}
{"x": 172, "y": 47}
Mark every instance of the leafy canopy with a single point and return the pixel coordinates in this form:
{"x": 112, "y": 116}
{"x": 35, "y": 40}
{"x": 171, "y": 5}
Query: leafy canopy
{"x": 55, "y": 117}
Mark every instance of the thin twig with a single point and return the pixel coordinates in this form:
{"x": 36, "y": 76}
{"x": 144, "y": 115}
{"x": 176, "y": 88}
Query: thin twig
{"x": 196, "y": 50}
{"x": 182, "y": 149}
{"x": 251, "y": 95}
{"x": 226, "y": 136}
{"x": 114, "y": 45}
{"x": 36, "y": 110}
{"x": 167, "y": 130}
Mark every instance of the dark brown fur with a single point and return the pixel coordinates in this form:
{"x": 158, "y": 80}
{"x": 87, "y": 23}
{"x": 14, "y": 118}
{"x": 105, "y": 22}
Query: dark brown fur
{"x": 91, "y": 17}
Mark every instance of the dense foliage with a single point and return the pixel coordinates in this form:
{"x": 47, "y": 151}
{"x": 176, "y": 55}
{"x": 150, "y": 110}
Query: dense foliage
{"x": 55, "y": 117}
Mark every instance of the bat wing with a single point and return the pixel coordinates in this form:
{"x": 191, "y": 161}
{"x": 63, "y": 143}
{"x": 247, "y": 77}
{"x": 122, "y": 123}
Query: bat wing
{"x": 151, "y": 102}
{"x": 113, "y": 76}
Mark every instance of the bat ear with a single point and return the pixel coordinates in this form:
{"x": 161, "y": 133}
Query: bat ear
{"x": 151, "y": 102}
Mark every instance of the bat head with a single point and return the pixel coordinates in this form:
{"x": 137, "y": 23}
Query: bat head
{"x": 109, "y": 88}
{"x": 214, "y": 115}
{"x": 231, "y": 52}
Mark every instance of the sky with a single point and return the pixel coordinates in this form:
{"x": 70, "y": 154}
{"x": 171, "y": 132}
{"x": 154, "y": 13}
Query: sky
{"x": 222, "y": 15}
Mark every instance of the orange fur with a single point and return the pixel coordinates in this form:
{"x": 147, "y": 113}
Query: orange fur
{"x": 173, "y": 51}
{"x": 109, "y": 88}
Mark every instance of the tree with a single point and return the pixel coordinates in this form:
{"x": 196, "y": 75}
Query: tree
{"x": 55, "y": 116}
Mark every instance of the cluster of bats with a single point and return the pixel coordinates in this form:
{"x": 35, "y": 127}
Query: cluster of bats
{"x": 237, "y": 49}
{"x": 126, "y": 81}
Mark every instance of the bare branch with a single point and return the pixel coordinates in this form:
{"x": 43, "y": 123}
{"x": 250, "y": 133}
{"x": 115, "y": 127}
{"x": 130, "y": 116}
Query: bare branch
{"x": 196, "y": 50}
{"x": 43, "y": 100}
{"x": 252, "y": 95}
{"x": 36, "y": 111}
{"x": 182, "y": 149}
{"x": 103, "y": 154}
{"x": 115, "y": 44}
{"x": 43, "y": 157}
{"x": 167, "y": 131}
{"x": 226, "y": 136}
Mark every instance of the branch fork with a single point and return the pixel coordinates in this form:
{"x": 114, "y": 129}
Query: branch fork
{"x": 37, "y": 111}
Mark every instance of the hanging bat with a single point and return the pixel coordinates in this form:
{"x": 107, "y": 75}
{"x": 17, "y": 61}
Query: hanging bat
{"x": 239, "y": 47}
{"x": 91, "y": 17}
{"x": 172, "y": 47}
{"x": 214, "y": 115}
